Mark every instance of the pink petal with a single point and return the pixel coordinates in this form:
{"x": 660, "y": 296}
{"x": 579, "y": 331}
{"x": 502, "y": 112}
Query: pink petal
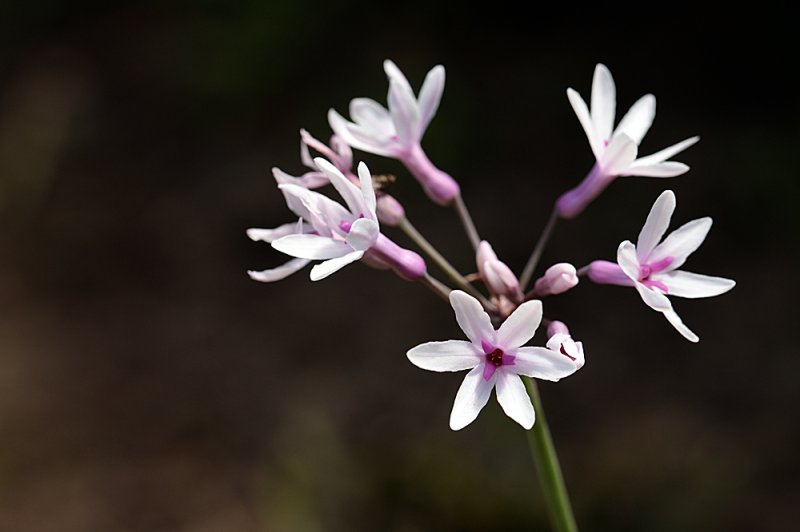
{"x": 363, "y": 234}
{"x": 281, "y": 272}
{"x": 405, "y": 113}
{"x": 666, "y": 153}
{"x": 682, "y": 242}
{"x": 582, "y": 112}
{"x": 653, "y": 298}
{"x": 311, "y": 247}
{"x": 619, "y": 155}
{"x": 665, "y": 169}
{"x": 429, "y": 96}
{"x": 367, "y": 190}
{"x": 450, "y": 355}
{"x": 626, "y": 258}
{"x": 324, "y": 269}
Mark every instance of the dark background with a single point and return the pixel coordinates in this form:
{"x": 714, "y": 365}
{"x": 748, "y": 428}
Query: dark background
{"x": 146, "y": 384}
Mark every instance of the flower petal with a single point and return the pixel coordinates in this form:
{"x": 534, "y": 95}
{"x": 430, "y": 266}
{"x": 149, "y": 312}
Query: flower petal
{"x": 281, "y": 272}
{"x": 666, "y": 153}
{"x": 396, "y": 75}
{"x": 350, "y": 193}
{"x": 676, "y": 322}
{"x": 405, "y": 113}
{"x": 619, "y": 155}
{"x": 694, "y": 285}
{"x": 363, "y": 234}
{"x": 542, "y": 363}
{"x": 665, "y": 169}
{"x": 372, "y": 116}
{"x": 520, "y": 326}
{"x": 655, "y": 226}
{"x": 471, "y": 317}
{"x": 429, "y": 96}
{"x": 514, "y": 399}
{"x": 626, "y": 258}
{"x": 682, "y": 242}
{"x": 367, "y": 190}
{"x": 638, "y": 119}
{"x": 604, "y": 102}
{"x": 450, "y": 355}
{"x": 653, "y": 298}
{"x": 312, "y": 247}
{"x": 268, "y": 235}
{"x": 582, "y": 112}
{"x": 360, "y": 138}
{"x": 324, "y": 269}
{"x": 472, "y": 396}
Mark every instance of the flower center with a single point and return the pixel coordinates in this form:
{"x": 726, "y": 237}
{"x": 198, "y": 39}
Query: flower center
{"x": 495, "y": 357}
{"x": 564, "y": 352}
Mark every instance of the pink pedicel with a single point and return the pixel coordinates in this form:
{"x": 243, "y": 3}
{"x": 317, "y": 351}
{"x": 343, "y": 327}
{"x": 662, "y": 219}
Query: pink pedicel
{"x": 605, "y": 272}
{"x": 439, "y": 186}
{"x": 556, "y": 280}
{"x": 406, "y": 264}
{"x": 574, "y": 201}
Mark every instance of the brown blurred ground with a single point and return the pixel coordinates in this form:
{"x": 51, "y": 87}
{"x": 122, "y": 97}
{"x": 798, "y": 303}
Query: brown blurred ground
{"x": 146, "y": 384}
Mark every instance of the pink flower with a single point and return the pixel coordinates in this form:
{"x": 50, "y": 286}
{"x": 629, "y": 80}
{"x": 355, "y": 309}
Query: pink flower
{"x": 397, "y": 132}
{"x": 556, "y": 280}
{"x": 561, "y": 342}
{"x": 498, "y": 277}
{"x": 616, "y": 150}
{"x": 495, "y": 358}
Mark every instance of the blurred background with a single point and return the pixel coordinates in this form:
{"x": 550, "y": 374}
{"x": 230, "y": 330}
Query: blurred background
{"x": 146, "y": 384}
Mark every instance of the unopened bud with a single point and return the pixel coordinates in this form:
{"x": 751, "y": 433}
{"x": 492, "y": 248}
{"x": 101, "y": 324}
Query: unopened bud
{"x": 556, "y": 280}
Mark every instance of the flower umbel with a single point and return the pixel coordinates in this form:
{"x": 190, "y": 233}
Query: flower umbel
{"x": 616, "y": 150}
{"x": 495, "y": 358}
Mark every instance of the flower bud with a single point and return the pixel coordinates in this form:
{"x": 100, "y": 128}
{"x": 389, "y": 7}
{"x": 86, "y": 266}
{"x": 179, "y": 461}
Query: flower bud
{"x": 498, "y": 277}
{"x": 556, "y": 280}
{"x": 605, "y": 272}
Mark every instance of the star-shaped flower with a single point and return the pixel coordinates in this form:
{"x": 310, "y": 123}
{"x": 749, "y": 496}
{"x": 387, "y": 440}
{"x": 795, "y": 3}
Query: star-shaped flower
{"x": 616, "y": 150}
{"x": 495, "y": 358}
{"x": 340, "y": 236}
{"x": 653, "y": 267}
{"x": 397, "y": 132}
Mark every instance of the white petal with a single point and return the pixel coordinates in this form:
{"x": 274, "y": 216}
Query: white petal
{"x": 372, "y": 116}
{"x": 472, "y": 396}
{"x": 450, "y": 355}
{"x": 471, "y": 317}
{"x": 324, "y": 269}
{"x": 358, "y": 137}
{"x": 655, "y": 226}
{"x": 682, "y": 242}
{"x": 542, "y": 363}
{"x": 579, "y": 106}
{"x": 514, "y": 399}
{"x": 281, "y": 272}
{"x": 638, "y": 119}
{"x": 626, "y": 258}
{"x": 654, "y": 298}
{"x": 665, "y": 169}
{"x": 520, "y": 326}
{"x": 367, "y": 190}
{"x": 604, "y": 102}
{"x": 307, "y": 141}
{"x": 619, "y": 155}
{"x": 323, "y": 213}
{"x": 694, "y": 285}
{"x": 350, "y": 193}
{"x": 363, "y": 234}
{"x": 312, "y": 247}
{"x": 294, "y": 203}
{"x": 429, "y": 96}
{"x": 405, "y": 113}
{"x": 676, "y": 322}
{"x": 268, "y": 235}
{"x": 396, "y": 75}
{"x": 666, "y": 153}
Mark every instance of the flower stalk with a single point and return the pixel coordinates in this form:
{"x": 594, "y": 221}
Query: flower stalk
{"x": 548, "y": 467}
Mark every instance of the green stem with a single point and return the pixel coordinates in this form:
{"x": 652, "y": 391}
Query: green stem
{"x": 550, "y": 477}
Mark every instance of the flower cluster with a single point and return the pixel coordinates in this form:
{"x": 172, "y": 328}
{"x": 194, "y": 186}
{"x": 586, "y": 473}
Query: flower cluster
{"x": 500, "y": 319}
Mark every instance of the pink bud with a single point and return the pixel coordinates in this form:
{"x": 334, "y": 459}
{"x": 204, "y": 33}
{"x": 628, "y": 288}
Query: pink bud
{"x": 389, "y": 210}
{"x": 557, "y": 327}
{"x": 556, "y": 280}
{"x": 498, "y": 277}
{"x": 406, "y": 264}
{"x": 562, "y": 342}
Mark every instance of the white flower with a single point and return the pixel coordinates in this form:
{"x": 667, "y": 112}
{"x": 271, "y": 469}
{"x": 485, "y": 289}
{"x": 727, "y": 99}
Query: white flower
{"x": 495, "y": 359}
{"x": 653, "y": 267}
{"x": 395, "y": 131}
{"x": 340, "y": 236}
{"x": 616, "y": 150}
